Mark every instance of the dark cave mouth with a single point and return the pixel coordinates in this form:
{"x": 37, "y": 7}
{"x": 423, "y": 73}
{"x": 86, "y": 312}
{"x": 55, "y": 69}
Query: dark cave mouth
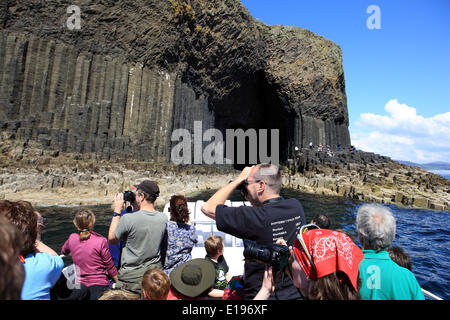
{"x": 264, "y": 131}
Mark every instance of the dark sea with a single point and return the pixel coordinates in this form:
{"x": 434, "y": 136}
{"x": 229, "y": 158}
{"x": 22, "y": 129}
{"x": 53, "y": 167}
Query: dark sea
{"x": 423, "y": 234}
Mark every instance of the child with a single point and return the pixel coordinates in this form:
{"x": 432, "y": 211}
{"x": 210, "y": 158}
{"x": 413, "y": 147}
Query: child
{"x": 119, "y": 294}
{"x": 192, "y": 280}
{"x": 155, "y": 285}
{"x": 322, "y": 221}
{"x": 214, "y": 247}
{"x": 90, "y": 253}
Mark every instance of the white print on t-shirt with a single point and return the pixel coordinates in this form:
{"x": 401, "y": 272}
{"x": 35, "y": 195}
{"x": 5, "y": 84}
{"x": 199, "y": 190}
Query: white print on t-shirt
{"x": 278, "y": 227}
{"x": 221, "y": 276}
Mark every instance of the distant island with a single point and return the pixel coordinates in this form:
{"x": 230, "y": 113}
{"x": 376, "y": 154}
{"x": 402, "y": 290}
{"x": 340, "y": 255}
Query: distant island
{"x": 437, "y": 165}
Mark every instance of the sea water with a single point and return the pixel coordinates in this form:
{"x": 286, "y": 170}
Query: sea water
{"x": 423, "y": 234}
{"x": 443, "y": 173}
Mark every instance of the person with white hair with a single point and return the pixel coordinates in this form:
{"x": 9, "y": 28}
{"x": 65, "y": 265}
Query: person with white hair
{"x": 382, "y": 278}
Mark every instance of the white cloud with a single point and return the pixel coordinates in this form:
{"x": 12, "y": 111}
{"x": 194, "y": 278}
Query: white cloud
{"x": 403, "y": 134}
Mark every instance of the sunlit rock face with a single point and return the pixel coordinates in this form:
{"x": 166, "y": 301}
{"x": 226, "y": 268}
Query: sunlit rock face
{"x": 137, "y": 70}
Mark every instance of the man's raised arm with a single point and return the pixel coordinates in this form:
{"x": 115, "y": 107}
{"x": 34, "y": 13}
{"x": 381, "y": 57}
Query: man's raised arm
{"x": 118, "y": 206}
{"x": 209, "y": 208}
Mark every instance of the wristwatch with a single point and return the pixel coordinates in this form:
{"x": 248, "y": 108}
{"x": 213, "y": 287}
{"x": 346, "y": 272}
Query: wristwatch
{"x": 115, "y": 214}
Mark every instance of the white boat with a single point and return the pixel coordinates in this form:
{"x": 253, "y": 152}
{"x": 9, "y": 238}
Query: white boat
{"x": 234, "y": 247}
{"x": 205, "y": 226}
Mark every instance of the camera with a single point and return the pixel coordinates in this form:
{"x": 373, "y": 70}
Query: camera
{"x": 242, "y": 188}
{"x": 274, "y": 255}
{"x": 130, "y": 197}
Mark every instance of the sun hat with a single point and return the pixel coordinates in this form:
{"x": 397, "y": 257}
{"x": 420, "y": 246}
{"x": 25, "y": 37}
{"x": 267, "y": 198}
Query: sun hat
{"x": 329, "y": 251}
{"x": 193, "y": 277}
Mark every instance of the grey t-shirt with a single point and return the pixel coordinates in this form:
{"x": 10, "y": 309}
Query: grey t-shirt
{"x": 142, "y": 233}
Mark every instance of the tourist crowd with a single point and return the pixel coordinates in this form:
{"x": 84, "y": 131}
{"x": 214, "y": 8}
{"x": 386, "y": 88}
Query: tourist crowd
{"x": 148, "y": 256}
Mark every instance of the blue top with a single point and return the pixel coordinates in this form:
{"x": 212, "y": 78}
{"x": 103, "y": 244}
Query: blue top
{"x": 383, "y": 279}
{"x": 116, "y": 249}
{"x": 181, "y": 238}
{"x": 42, "y": 270}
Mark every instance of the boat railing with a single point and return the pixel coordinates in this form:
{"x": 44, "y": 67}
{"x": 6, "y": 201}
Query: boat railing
{"x": 430, "y": 295}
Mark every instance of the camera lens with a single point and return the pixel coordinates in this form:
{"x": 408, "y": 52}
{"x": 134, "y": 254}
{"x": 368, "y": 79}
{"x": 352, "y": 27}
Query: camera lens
{"x": 274, "y": 255}
{"x": 129, "y": 196}
{"x": 258, "y": 253}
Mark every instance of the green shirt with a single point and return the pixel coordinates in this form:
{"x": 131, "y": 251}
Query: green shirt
{"x": 142, "y": 233}
{"x": 383, "y": 279}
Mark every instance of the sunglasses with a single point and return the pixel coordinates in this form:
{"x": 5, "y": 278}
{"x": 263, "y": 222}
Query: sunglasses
{"x": 245, "y": 183}
{"x": 40, "y": 221}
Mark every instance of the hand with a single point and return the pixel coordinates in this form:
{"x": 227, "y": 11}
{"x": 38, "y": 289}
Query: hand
{"x": 244, "y": 174}
{"x": 268, "y": 280}
{"x": 267, "y": 286}
{"x": 118, "y": 203}
{"x": 281, "y": 241}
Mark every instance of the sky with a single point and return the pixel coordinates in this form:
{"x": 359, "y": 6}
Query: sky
{"x": 396, "y": 60}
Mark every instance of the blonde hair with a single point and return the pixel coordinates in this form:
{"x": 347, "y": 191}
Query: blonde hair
{"x": 155, "y": 284}
{"x": 213, "y": 245}
{"x": 84, "y": 221}
{"x": 119, "y": 294}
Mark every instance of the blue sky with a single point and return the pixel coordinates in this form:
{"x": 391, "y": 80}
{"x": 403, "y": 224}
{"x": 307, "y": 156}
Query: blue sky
{"x": 397, "y": 77}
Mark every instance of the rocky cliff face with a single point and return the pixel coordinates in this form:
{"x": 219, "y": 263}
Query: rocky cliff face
{"x": 88, "y": 112}
{"x": 48, "y": 177}
{"x": 368, "y": 177}
{"x": 137, "y": 70}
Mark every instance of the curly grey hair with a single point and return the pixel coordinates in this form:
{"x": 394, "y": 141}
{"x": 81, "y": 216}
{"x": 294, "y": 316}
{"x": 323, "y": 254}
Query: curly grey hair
{"x": 376, "y": 226}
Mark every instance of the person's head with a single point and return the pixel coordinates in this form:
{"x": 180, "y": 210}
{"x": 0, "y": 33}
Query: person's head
{"x": 155, "y": 285}
{"x": 40, "y": 219}
{"x": 84, "y": 221}
{"x": 179, "y": 211}
{"x": 12, "y": 273}
{"x": 326, "y": 266}
{"x": 347, "y": 233}
{"x": 194, "y": 278}
{"x": 322, "y": 221}
{"x": 214, "y": 246}
{"x": 400, "y": 257}
{"x": 21, "y": 214}
{"x": 264, "y": 182}
{"x": 376, "y": 226}
{"x": 119, "y": 294}
{"x": 146, "y": 191}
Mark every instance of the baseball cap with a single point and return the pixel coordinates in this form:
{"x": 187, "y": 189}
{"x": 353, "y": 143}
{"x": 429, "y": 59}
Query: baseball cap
{"x": 148, "y": 186}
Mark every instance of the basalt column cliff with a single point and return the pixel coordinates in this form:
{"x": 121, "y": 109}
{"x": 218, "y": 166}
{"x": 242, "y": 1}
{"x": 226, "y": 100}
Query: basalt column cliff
{"x": 137, "y": 70}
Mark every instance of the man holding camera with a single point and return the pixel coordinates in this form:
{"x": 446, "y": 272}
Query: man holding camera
{"x": 270, "y": 217}
{"x": 143, "y": 233}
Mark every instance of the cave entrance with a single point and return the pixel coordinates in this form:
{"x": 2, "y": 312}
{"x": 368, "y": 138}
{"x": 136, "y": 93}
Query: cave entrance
{"x": 252, "y": 108}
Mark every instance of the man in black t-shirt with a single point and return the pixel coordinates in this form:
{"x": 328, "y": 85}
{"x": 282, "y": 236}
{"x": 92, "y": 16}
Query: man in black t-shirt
{"x": 270, "y": 217}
